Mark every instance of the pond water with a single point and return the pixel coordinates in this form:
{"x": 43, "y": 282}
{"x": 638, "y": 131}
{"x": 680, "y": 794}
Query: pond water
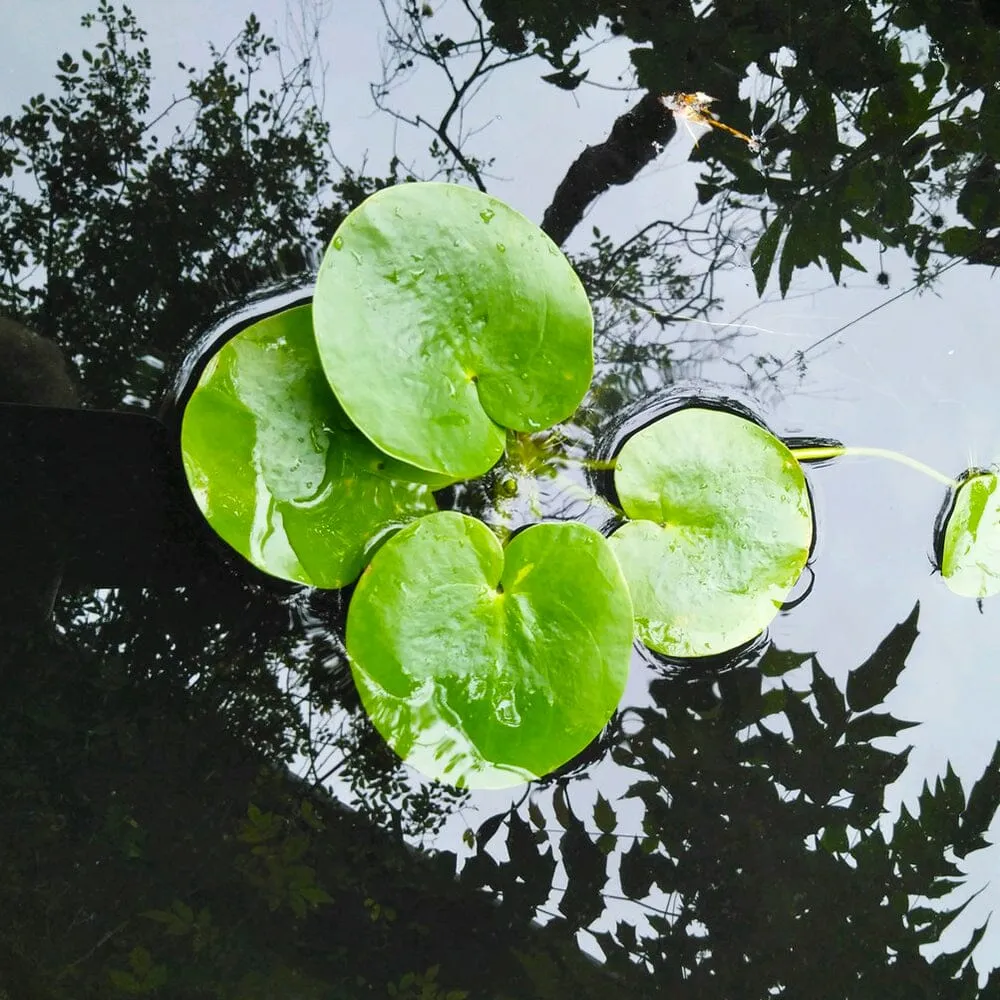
{"x": 198, "y": 804}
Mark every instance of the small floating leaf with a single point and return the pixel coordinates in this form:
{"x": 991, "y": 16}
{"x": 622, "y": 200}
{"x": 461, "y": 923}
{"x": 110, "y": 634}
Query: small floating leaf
{"x": 486, "y": 667}
{"x": 492, "y": 331}
{"x": 721, "y": 529}
{"x": 970, "y": 562}
{"x": 278, "y": 470}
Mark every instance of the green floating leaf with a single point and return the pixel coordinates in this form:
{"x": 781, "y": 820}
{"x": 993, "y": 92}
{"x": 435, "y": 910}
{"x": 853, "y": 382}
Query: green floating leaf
{"x": 720, "y": 532}
{"x": 442, "y": 317}
{"x": 970, "y": 562}
{"x": 485, "y": 667}
{"x": 276, "y": 467}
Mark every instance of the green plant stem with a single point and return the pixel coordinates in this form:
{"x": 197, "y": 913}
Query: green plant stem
{"x": 815, "y": 454}
{"x": 574, "y": 489}
{"x": 594, "y": 464}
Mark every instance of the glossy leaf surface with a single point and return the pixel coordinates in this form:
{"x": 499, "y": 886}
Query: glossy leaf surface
{"x": 721, "y": 527}
{"x": 486, "y": 667}
{"x": 442, "y": 317}
{"x": 276, "y": 467}
{"x": 970, "y": 561}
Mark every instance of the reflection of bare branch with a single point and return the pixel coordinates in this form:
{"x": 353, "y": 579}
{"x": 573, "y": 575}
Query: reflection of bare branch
{"x": 636, "y": 139}
{"x": 466, "y": 65}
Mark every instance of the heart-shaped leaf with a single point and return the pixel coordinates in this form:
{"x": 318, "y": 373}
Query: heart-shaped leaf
{"x": 487, "y": 667}
{"x": 721, "y": 529}
{"x": 276, "y": 467}
{"x": 442, "y": 317}
{"x": 970, "y": 562}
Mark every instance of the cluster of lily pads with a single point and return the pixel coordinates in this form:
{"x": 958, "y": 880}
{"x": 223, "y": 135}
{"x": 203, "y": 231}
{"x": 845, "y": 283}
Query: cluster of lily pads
{"x": 442, "y": 322}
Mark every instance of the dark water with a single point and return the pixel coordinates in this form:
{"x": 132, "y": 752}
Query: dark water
{"x": 196, "y": 803}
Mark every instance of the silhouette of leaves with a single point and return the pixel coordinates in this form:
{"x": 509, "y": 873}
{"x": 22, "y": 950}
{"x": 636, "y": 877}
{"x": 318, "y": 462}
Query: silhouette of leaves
{"x": 869, "y": 684}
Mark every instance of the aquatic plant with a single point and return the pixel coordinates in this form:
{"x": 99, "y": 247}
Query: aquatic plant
{"x": 444, "y": 327}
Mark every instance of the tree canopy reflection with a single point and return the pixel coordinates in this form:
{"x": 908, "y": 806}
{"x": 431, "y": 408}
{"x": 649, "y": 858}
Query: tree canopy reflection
{"x": 156, "y": 840}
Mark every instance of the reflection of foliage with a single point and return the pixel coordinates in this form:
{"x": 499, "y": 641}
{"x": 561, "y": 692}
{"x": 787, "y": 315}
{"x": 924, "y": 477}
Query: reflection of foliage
{"x": 147, "y": 844}
{"x": 382, "y": 791}
{"x": 758, "y": 854}
{"x": 116, "y": 237}
{"x": 465, "y": 63}
{"x": 639, "y": 288}
{"x": 132, "y": 747}
{"x": 275, "y": 863}
{"x": 863, "y": 139}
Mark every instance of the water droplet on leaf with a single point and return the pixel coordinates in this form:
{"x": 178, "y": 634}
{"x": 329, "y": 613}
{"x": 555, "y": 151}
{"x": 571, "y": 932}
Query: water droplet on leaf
{"x": 318, "y": 438}
{"x": 506, "y": 711}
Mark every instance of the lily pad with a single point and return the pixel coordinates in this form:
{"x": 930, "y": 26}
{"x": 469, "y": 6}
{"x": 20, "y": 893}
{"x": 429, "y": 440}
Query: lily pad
{"x": 276, "y": 467}
{"x": 721, "y": 529}
{"x": 970, "y": 562}
{"x": 486, "y": 667}
{"x": 442, "y": 317}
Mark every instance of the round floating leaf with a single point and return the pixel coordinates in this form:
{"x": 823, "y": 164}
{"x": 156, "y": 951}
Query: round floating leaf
{"x": 442, "y": 317}
{"x": 486, "y": 667}
{"x": 278, "y": 470}
{"x": 970, "y": 561}
{"x": 721, "y": 530}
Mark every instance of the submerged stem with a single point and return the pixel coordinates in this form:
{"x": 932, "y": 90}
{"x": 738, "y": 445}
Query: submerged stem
{"x": 593, "y": 464}
{"x": 814, "y": 454}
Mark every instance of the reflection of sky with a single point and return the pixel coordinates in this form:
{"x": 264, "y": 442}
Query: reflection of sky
{"x": 916, "y": 376}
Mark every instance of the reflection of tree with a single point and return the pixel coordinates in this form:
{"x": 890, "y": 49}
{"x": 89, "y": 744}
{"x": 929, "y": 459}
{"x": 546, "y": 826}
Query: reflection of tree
{"x": 889, "y": 136}
{"x": 883, "y": 135}
{"x": 655, "y": 280}
{"x": 120, "y": 246}
{"x": 749, "y": 849}
{"x": 154, "y": 838}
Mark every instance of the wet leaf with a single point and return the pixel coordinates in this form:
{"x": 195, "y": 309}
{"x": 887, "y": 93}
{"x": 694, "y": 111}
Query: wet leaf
{"x": 442, "y": 317}
{"x": 277, "y": 469}
{"x": 459, "y": 647}
{"x": 720, "y": 529}
{"x": 970, "y": 562}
